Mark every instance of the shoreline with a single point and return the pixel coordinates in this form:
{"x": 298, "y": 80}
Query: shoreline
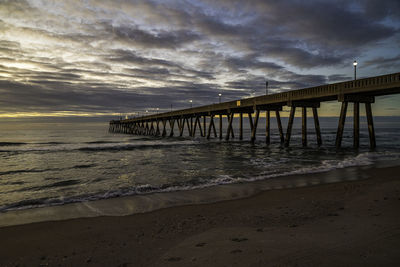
{"x": 134, "y": 204}
{"x": 129, "y": 205}
{"x": 348, "y": 223}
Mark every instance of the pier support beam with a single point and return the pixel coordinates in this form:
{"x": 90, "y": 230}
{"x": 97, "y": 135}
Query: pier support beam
{"x": 371, "y": 130}
{"x": 164, "y": 132}
{"x": 250, "y": 122}
{"x": 182, "y": 127}
{"x": 317, "y": 127}
{"x": 197, "y": 122}
{"x": 267, "y": 127}
{"x": 220, "y": 126}
{"x": 211, "y": 125}
{"x": 172, "y": 125}
{"x": 304, "y": 126}
{"x": 278, "y": 120}
{"x": 254, "y": 130}
{"x": 241, "y": 126}
{"x": 152, "y": 130}
{"x": 194, "y": 127}
{"x": 157, "y": 127}
{"x": 204, "y": 126}
{"x": 356, "y": 126}
{"x": 191, "y": 125}
{"x": 188, "y": 126}
{"x": 290, "y": 125}
{"x": 342, "y": 120}
{"x": 229, "y": 130}
{"x": 200, "y": 128}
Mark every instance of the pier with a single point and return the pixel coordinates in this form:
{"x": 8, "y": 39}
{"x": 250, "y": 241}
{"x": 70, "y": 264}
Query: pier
{"x": 201, "y": 119}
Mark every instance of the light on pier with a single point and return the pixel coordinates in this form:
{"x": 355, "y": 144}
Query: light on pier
{"x": 355, "y": 69}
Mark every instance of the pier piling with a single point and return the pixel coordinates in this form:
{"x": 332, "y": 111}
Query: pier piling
{"x": 371, "y": 129}
{"x": 267, "y": 127}
{"x": 304, "y": 127}
{"x": 290, "y": 125}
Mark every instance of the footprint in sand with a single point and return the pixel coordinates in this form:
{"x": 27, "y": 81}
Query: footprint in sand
{"x": 174, "y": 259}
{"x": 239, "y": 239}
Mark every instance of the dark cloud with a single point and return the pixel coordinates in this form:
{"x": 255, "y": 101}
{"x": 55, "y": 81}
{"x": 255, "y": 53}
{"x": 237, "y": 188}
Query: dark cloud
{"x": 161, "y": 39}
{"x": 131, "y": 57}
{"x": 157, "y": 66}
{"x": 338, "y": 78}
{"x": 387, "y": 63}
{"x": 250, "y": 62}
{"x": 379, "y": 10}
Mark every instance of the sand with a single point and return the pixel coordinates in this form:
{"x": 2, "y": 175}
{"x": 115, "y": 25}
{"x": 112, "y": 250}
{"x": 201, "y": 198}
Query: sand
{"x": 352, "y": 223}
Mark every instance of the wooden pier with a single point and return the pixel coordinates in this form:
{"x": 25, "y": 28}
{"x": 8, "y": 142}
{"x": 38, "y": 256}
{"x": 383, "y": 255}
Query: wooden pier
{"x": 358, "y": 91}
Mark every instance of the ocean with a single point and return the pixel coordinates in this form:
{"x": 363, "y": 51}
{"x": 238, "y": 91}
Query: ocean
{"x": 54, "y": 163}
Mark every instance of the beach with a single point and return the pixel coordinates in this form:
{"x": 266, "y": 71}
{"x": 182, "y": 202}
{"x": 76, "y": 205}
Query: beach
{"x": 199, "y": 133}
{"x": 348, "y": 223}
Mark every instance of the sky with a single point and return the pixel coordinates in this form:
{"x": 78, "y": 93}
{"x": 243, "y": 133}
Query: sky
{"x": 94, "y": 58}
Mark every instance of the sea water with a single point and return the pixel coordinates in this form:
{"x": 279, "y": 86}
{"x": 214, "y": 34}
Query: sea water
{"x": 53, "y": 163}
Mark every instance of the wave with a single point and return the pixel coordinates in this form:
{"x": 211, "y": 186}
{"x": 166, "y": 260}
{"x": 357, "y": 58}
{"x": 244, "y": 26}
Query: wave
{"x": 84, "y": 166}
{"x": 126, "y": 147}
{"x": 12, "y": 143}
{"x": 33, "y": 143}
{"x": 101, "y": 142}
{"x": 48, "y": 143}
{"x": 96, "y": 146}
{"x": 27, "y": 204}
{"x": 28, "y": 171}
{"x": 79, "y": 166}
{"x": 61, "y": 183}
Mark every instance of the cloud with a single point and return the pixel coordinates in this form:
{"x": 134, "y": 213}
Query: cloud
{"x": 387, "y": 63}
{"x": 381, "y": 9}
{"x": 161, "y": 39}
{"x": 123, "y": 56}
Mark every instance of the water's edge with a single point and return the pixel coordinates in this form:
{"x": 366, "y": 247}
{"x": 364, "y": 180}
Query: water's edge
{"x": 128, "y": 205}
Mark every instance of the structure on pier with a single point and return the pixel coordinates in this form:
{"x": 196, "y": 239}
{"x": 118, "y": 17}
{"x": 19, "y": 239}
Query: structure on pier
{"x": 359, "y": 91}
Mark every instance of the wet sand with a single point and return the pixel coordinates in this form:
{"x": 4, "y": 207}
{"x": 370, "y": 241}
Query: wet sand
{"x": 351, "y": 223}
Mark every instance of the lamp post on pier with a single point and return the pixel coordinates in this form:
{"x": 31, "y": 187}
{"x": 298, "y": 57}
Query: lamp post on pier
{"x": 266, "y": 87}
{"x": 355, "y": 69}
{"x": 191, "y": 103}
{"x": 220, "y": 98}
